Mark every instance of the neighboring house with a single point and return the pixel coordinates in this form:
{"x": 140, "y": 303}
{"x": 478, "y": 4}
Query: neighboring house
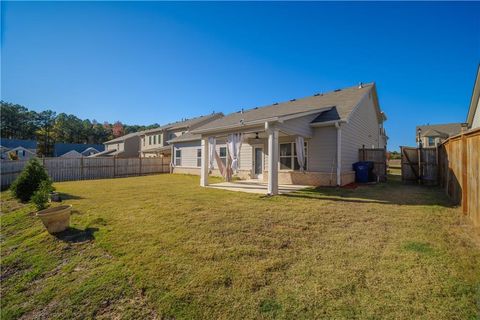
{"x": 23, "y": 149}
{"x": 20, "y": 153}
{"x": 127, "y": 146}
{"x": 433, "y": 135}
{"x": 154, "y": 142}
{"x": 473, "y": 117}
{"x": 59, "y": 149}
{"x": 333, "y": 127}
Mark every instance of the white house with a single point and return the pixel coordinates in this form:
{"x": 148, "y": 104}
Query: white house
{"x": 20, "y": 153}
{"x": 264, "y": 142}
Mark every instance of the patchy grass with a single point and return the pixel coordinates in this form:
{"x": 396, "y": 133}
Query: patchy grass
{"x": 162, "y": 247}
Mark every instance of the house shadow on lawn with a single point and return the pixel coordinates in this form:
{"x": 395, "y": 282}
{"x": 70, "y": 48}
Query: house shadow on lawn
{"x": 394, "y": 191}
{"x": 74, "y": 235}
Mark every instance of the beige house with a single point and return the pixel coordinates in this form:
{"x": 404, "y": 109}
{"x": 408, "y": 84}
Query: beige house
{"x": 473, "y": 117}
{"x": 153, "y": 142}
{"x": 127, "y": 146}
{"x": 435, "y": 134}
{"x": 332, "y": 127}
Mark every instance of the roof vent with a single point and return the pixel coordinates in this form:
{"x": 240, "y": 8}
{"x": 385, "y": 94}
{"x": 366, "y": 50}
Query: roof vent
{"x": 360, "y": 85}
{"x": 337, "y": 90}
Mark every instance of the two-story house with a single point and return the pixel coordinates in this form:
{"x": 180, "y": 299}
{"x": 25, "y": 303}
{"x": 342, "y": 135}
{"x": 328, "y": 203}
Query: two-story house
{"x": 154, "y": 142}
{"x": 127, "y": 146}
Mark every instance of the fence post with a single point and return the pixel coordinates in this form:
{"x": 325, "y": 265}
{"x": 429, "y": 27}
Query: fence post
{"x": 464, "y": 175}
{"x": 114, "y": 166}
{"x": 140, "y": 165}
{"x": 82, "y": 175}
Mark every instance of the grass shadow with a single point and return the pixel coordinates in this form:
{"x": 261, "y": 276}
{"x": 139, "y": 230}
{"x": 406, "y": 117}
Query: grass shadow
{"x": 66, "y": 196}
{"x": 74, "y": 235}
{"x": 394, "y": 192}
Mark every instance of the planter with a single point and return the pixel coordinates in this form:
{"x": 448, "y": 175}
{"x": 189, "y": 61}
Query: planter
{"x": 56, "y": 219}
{"x": 55, "y": 197}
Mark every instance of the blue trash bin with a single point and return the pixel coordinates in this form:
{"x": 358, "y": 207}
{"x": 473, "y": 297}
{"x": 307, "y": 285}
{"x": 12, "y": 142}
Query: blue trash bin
{"x": 361, "y": 171}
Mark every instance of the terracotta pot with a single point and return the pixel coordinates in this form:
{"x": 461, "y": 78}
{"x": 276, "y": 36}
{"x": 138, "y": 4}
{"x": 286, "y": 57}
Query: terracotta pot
{"x": 56, "y": 219}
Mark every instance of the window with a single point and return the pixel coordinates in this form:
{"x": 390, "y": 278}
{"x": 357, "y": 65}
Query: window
{"x": 23, "y": 153}
{"x": 149, "y": 140}
{"x": 158, "y": 138}
{"x": 143, "y": 141}
{"x": 178, "y": 157}
{"x": 288, "y": 156}
{"x": 431, "y": 141}
{"x": 199, "y": 157}
{"x": 154, "y": 139}
{"x": 223, "y": 155}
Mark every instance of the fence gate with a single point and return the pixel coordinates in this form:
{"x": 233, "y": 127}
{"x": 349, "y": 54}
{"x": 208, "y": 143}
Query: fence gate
{"x": 420, "y": 165}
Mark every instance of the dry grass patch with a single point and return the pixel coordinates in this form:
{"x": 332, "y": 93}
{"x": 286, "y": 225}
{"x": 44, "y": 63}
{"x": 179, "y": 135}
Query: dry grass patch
{"x": 161, "y": 246}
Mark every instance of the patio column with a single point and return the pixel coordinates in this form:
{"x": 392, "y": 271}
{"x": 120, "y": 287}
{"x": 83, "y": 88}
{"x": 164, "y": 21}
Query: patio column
{"x": 204, "y": 169}
{"x": 272, "y": 159}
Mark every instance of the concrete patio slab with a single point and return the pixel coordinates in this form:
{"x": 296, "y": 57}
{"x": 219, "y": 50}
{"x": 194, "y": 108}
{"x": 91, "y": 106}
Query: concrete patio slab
{"x": 255, "y": 186}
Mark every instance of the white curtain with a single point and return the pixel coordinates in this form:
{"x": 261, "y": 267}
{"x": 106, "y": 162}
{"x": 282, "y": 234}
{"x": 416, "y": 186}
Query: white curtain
{"x": 234, "y": 143}
{"x": 300, "y": 148}
{"x": 211, "y": 153}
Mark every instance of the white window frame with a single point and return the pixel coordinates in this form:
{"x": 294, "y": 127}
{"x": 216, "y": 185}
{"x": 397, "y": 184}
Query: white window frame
{"x": 224, "y": 158}
{"x": 199, "y": 157}
{"x": 178, "y": 160}
{"x": 293, "y": 156}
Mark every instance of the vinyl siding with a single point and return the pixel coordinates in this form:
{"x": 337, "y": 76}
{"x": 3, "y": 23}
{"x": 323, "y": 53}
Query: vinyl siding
{"x": 362, "y": 129}
{"x": 476, "y": 116}
{"x": 322, "y": 149}
{"x": 189, "y": 153}
{"x": 131, "y": 147}
{"x": 298, "y": 126}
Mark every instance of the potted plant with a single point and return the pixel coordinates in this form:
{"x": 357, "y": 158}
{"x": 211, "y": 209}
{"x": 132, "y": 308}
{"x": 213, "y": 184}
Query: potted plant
{"x": 34, "y": 185}
{"x": 55, "y": 219}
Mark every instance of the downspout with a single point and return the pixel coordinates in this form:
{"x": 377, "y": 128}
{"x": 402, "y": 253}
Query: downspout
{"x": 339, "y": 153}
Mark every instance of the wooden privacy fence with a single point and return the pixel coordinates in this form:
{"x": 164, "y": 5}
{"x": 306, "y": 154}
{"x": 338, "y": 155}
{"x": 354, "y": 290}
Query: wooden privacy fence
{"x": 454, "y": 165}
{"x": 379, "y": 159}
{"x": 459, "y": 172}
{"x": 420, "y": 165}
{"x": 68, "y": 169}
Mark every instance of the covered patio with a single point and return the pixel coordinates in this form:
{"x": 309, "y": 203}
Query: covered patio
{"x": 269, "y": 130}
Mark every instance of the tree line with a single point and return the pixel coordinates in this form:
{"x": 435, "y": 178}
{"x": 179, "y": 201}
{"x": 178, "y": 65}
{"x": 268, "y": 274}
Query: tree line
{"x": 48, "y": 127}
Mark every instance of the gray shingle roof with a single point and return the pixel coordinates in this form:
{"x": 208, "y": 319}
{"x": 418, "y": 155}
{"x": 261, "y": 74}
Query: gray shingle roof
{"x": 440, "y": 130}
{"x": 189, "y": 136}
{"x": 123, "y": 138}
{"x": 343, "y": 100}
{"x": 183, "y": 124}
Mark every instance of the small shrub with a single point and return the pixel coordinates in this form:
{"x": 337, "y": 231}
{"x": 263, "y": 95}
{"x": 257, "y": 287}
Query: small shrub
{"x": 29, "y": 180}
{"x": 40, "y": 197}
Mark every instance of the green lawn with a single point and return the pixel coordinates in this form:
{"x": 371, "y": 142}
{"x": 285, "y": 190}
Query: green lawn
{"x": 162, "y": 247}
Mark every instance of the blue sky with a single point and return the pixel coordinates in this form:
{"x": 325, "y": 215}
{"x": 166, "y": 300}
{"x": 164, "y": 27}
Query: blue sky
{"x": 146, "y": 62}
